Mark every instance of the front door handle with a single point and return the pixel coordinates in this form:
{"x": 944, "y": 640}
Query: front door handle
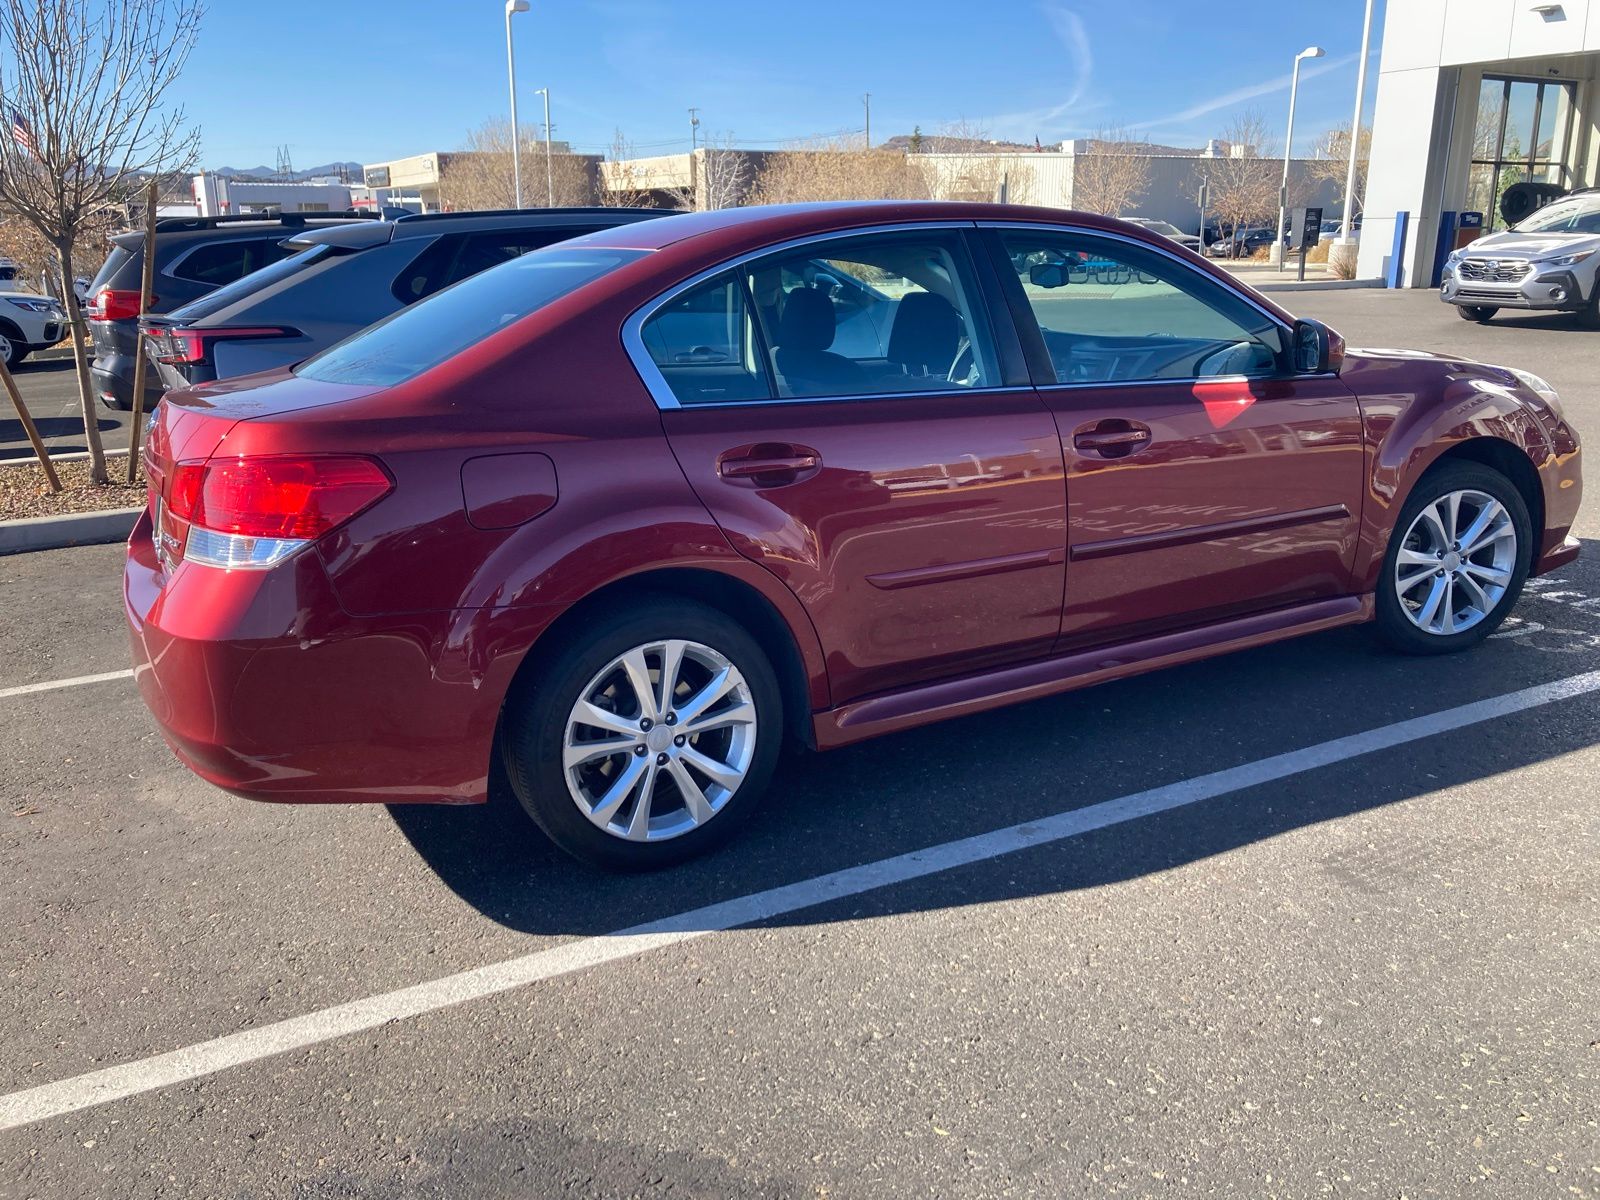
{"x": 1113, "y": 438}
{"x": 770, "y": 465}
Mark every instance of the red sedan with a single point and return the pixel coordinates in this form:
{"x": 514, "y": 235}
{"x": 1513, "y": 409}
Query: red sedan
{"x": 633, "y": 510}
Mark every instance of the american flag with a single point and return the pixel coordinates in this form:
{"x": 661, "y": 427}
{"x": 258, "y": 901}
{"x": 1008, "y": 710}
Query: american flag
{"x": 22, "y": 133}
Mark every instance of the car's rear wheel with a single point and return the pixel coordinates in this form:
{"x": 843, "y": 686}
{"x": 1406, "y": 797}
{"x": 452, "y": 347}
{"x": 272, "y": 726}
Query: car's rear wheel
{"x": 648, "y": 738}
{"x": 1476, "y": 312}
{"x": 1456, "y": 560}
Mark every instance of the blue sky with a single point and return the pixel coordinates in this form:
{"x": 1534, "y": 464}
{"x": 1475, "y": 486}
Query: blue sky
{"x": 376, "y": 81}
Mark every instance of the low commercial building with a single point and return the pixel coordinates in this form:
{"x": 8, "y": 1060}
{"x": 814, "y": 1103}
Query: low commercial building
{"x": 1473, "y": 97}
{"x": 216, "y": 196}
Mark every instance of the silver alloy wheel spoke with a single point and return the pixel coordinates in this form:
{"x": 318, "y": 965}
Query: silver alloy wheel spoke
{"x": 659, "y": 768}
{"x": 1455, "y": 562}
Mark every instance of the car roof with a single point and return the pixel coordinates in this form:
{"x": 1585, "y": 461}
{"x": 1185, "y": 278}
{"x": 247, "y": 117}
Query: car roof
{"x": 415, "y": 225}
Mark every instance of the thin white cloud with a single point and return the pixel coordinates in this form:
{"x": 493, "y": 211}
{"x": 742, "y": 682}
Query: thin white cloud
{"x": 1070, "y": 32}
{"x": 1266, "y": 87}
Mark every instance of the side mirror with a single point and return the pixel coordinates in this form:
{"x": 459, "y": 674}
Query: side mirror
{"x": 1048, "y": 275}
{"x": 1318, "y": 350}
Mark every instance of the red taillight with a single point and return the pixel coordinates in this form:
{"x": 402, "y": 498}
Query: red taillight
{"x": 110, "y": 304}
{"x": 179, "y": 347}
{"x": 281, "y": 496}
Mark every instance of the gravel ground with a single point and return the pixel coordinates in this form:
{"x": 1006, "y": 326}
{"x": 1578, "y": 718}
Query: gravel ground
{"x": 24, "y": 493}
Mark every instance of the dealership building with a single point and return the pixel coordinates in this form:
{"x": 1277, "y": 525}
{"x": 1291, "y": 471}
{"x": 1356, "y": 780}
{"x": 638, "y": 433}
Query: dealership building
{"x": 1474, "y": 95}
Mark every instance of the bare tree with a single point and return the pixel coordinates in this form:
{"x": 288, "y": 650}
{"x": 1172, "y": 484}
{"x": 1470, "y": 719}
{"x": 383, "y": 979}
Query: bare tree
{"x": 1330, "y": 161}
{"x": 84, "y": 84}
{"x": 1114, "y": 174}
{"x": 963, "y": 164}
{"x": 725, "y": 175}
{"x": 1244, "y": 185}
{"x": 839, "y": 169}
{"x": 623, "y": 182}
{"x": 482, "y": 175}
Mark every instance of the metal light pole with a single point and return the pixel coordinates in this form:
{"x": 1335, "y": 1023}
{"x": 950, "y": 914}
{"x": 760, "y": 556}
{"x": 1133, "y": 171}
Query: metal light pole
{"x": 514, "y": 6}
{"x": 549, "y": 167}
{"x": 1288, "y": 148}
{"x": 1355, "y": 127}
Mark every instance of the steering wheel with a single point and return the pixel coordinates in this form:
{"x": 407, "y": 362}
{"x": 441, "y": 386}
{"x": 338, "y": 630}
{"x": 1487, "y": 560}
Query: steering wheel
{"x": 961, "y": 367}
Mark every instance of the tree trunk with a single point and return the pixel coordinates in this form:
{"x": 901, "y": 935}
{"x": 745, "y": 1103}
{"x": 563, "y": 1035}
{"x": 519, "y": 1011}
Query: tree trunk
{"x": 80, "y": 358}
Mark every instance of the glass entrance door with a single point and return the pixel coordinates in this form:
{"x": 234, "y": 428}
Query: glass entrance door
{"x": 1523, "y": 131}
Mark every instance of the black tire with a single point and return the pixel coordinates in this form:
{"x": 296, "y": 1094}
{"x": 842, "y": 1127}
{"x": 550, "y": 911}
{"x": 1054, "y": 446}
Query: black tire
{"x": 1588, "y": 317}
{"x": 1479, "y": 313}
{"x": 534, "y": 723}
{"x": 12, "y": 350}
{"x": 1394, "y": 625}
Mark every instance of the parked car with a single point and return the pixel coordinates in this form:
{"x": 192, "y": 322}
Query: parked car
{"x": 194, "y": 255}
{"x": 1242, "y": 243}
{"x": 1546, "y": 261}
{"x": 1170, "y": 231}
{"x": 28, "y": 322}
{"x": 556, "y": 515}
{"x": 338, "y": 280}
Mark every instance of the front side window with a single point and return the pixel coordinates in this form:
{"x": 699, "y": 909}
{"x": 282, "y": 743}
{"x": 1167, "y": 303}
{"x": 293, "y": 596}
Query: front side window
{"x": 421, "y": 336}
{"x": 455, "y": 257}
{"x": 1109, "y": 311}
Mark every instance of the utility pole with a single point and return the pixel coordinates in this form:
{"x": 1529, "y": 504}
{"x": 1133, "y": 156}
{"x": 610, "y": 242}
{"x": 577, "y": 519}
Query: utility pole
{"x": 549, "y": 167}
{"x": 866, "y": 101}
{"x": 694, "y": 130}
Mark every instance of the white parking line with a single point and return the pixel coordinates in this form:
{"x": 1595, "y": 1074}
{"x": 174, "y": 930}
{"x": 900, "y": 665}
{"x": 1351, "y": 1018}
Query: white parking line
{"x": 236, "y": 1049}
{"x": 51, "y": 685}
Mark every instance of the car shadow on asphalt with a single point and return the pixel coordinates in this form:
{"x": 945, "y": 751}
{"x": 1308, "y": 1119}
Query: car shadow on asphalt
{"x": 910, "y": 791}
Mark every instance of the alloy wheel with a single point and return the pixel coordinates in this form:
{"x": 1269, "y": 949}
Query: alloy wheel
{"x": 659, "y": 740}
{"x": 1456, "y": 561}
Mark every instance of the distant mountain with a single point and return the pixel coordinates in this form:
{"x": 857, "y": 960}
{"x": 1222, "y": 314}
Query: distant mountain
{"x": 353, "y": 169}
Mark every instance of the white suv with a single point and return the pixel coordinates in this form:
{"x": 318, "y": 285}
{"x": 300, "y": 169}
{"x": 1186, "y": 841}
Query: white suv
{"x": 28, "y": 322}
{"x": 1549, "y": 260}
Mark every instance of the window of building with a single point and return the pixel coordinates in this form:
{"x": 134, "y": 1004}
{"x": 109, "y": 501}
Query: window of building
{"x": 1522, "y": 133}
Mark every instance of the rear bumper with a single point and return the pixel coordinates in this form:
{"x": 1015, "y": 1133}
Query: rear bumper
{"x": 262, "y": 685}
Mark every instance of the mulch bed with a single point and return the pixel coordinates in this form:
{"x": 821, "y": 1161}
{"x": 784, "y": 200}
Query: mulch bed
{"x": 24, "y": 492}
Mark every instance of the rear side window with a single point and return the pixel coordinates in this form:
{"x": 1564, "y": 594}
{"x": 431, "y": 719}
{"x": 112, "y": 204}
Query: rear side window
{"x": 217, "y": 263}
{"x": 422, "y": 336}
{"x": 114, "y": 262}
{"x": 455, "y": 257}
{"x": 704, "y": 344}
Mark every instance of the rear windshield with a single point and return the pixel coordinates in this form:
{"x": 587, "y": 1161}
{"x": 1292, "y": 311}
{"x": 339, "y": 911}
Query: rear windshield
{"x": 246, "y": 284}
{"x": 420, "y": 337}
{"x": 111, "y": 266}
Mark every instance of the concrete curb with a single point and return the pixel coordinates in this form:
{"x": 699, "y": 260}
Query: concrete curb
{"x": 1316, "y": 285}
{"x": 65, "y": 456}
{"x": 54, "y": 353}
{"x": 73, "y": 529}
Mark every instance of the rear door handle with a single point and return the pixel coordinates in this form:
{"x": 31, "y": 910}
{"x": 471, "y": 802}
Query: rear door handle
{"x": 770, "y": 466}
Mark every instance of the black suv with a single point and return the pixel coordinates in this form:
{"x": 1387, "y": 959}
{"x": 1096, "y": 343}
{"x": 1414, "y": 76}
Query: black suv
{"x": 194, "y": 255}
{"x": 338, "y": 281}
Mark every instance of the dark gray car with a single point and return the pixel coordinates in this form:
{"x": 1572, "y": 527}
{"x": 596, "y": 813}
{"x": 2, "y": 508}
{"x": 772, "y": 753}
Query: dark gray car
{"x": 194, "y": 255}
{"x": 337, "y": 281}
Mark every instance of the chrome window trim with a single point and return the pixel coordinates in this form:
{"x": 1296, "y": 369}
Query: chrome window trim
{"x": 655, "y": 383}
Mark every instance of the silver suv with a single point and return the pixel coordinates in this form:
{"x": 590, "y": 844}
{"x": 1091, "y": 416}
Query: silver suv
{"x": 1548, "y": 261}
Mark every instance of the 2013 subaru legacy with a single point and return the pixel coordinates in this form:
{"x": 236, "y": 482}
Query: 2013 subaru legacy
{"x": 629, "y": 513}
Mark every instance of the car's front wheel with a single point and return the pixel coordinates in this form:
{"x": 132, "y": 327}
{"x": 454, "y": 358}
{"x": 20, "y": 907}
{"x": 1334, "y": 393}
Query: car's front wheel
{"x": 1476, "y": 312}
{"x": 12, "y": 351}
{"x": 648, "y": 738}
{"x": 1456, "y": 560}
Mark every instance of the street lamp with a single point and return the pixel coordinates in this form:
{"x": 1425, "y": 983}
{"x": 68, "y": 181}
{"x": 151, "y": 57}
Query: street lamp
{"x": 514, "y": 6}
{"x": 1288, "y": 148}
{"x": 1355, "y": 129}
{"x": 549, "y": 168}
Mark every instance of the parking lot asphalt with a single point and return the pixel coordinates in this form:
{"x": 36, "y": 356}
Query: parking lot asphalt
{"x": 49, "y": 388}
{"x": 1373, "y": 970}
